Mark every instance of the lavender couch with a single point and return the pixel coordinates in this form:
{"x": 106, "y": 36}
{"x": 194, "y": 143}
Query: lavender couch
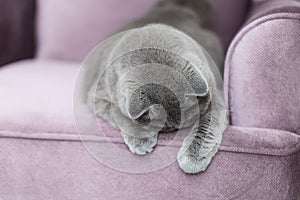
{"x": 42, "y": 156}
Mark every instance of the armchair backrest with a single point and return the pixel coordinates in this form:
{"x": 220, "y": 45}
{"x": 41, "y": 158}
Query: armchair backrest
{"x": 17, "y": 28}
{"x": 69, "y": 29}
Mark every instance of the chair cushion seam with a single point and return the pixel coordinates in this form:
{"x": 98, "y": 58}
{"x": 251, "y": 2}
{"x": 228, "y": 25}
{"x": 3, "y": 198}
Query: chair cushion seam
{"x": 94, "y": 138}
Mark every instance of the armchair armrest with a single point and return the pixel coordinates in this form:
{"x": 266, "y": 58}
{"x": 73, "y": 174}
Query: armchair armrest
{"x": 16, "y": 30}
{"x": 262, "y": 85}
{"x": 270, "y": 142}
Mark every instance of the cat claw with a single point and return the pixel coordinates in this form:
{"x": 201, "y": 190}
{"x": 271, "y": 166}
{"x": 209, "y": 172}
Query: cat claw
{"x": 140, "y": 146}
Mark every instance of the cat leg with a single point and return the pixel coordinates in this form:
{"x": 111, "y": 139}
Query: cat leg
{"x": 140, "y": 146}
{"x": 200, "y": 146}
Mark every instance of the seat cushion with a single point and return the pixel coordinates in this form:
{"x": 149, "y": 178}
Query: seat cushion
{"x": 40, "y": 169}
{"x": 37, "y": 102}
{"x": 36, "y": 97}
{"x": 43, "y": 157}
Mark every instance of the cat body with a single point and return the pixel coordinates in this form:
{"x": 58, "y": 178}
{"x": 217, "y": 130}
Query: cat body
{"x": 153, "y": 79}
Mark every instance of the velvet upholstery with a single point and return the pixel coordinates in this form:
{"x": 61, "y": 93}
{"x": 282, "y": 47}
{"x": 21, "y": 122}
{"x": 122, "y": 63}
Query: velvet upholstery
{"x": 43, "y": 157}
{"x": 90, "y": 23}
{"x": 87, "y": 25}
{"x": 52, "y": 169}
{"x": 16, "y": 30}
{"x": 262, "y": 70}
{"x": 227, "y": 18}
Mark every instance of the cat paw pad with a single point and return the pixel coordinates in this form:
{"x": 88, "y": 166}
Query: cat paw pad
{"x": 191, "y": 164}
{"x": 193, "y": 161}
{"x": 140, "y": 146}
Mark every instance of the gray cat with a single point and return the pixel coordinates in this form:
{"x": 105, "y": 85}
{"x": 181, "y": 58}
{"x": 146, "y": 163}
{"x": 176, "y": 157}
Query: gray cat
{"x": 159, "y": 83}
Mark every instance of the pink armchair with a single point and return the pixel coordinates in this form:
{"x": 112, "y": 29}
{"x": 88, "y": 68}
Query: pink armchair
{"x": 42, "y": 156}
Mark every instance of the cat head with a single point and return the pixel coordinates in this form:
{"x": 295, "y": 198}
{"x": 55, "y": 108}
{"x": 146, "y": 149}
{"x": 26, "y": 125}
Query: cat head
{"x": 159, "y": 99}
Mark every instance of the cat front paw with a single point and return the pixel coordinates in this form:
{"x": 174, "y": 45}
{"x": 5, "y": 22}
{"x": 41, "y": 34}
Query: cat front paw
{"x": 140, "y": 146}
{"x": 193, "y": 161}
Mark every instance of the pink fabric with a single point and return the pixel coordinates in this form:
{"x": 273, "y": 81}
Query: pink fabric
{"x": 264, "y": 1}
{"x": 39, "y": 169}
{"x": 31, "y": 100}
{"x": 263, "y": 8}
{"x": 42, "y": 156}
{"x": 228, "y": 16}
{"x": 45, "y": 110}
{"x": 17, "y": 28}
{"x": 70, "y": 29}
{"x": 262, "y": 73}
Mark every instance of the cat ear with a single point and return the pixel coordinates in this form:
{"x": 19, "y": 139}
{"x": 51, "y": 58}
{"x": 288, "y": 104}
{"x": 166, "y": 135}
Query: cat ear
{"x": 197, "y": 81}
{"x": 135, "y": 113}
{"x": 137, "y": 106}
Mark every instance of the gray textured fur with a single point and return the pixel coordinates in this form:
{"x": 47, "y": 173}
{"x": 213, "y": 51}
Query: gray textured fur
{"x": 135, "y": 100}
